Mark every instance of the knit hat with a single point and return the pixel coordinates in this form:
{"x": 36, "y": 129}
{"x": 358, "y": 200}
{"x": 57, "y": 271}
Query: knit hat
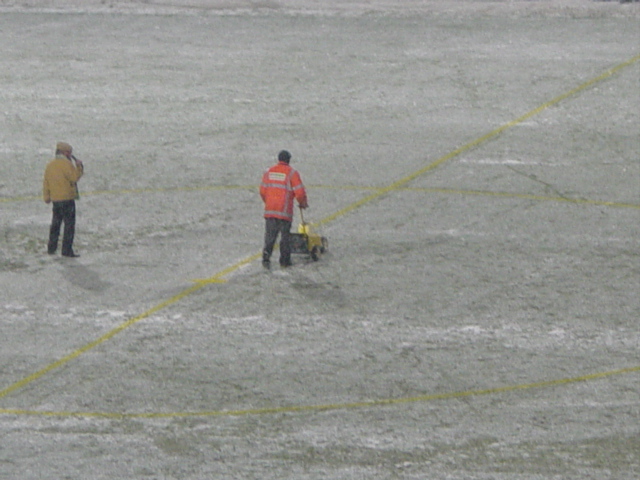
{"x": 284, "y": 156}
{"x": 63, "y": 147}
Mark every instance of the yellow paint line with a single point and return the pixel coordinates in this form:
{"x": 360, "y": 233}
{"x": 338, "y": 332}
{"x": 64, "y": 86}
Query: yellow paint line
{"x": 131, "y": 191}
{"x": 208, "y": 281}
{"x": 586, "y": 201}
{"x": 369, "y": 198}
{"x": 330, "y": 406}
{"x": 19, "y": 199}
{"x": 217, "y": 278}
{"x": 469, "y": 146}
{"x": 408, "y": 178}
{"x": 95, "y": 343}
{"x": 540, "y": 198}
{"x": 200, "y": 188}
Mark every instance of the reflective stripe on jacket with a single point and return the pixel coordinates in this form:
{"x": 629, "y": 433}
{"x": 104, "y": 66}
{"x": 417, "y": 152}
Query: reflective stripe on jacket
{"x": 280, "y": 185}
{"x": 60, "y": 178}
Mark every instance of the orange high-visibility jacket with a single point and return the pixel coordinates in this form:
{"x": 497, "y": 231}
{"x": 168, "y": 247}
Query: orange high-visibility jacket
{"x": 60, "y": 178}
{"x": 280, "y": 185}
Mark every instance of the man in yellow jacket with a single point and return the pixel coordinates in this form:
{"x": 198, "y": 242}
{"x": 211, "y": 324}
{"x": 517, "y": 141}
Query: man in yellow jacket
{"x": 60, "y": 187}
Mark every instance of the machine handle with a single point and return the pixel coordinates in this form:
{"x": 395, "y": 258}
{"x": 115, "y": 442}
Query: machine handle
{"x": 301, "y": 215}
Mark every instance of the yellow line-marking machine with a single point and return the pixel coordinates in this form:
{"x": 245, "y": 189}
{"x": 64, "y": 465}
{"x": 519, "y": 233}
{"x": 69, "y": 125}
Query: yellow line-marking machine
{"x": 307, "y": 242}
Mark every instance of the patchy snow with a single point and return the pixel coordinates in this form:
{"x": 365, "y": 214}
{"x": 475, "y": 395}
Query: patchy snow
{"x": 412, "y": 348}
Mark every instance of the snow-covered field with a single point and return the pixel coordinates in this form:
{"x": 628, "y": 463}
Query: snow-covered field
{"x": 475, "y": 166}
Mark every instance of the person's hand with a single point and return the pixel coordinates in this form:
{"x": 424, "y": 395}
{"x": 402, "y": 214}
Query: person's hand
{"x": 304, "y": 206}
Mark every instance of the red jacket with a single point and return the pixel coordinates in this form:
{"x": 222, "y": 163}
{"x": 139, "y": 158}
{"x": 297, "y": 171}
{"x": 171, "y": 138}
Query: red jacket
{"x": 280, "y": 185}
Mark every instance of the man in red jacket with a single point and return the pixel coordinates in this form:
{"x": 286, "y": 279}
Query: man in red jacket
{"x": 280, "y": 185}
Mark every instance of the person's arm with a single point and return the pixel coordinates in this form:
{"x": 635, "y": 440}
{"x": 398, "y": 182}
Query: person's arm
{"x": 79, "y": 167}
{"x": 263, "y": 188}
{"x": 46, "y": 191}
{"x": 299, "y": 191}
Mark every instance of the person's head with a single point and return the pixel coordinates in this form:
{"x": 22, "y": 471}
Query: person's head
{"x": 284, "y": 156}
{"x": 63, "y": 148}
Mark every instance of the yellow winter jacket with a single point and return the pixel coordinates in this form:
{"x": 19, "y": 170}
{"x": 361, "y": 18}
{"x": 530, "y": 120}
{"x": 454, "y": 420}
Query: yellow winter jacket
{"x": 60, "y": 178}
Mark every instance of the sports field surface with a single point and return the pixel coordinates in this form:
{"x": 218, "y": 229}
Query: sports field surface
{"x": 474, "y": 165}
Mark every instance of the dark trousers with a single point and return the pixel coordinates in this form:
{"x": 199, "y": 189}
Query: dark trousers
{"x": 64, "y": 211}
{"x": 273, "y": 227}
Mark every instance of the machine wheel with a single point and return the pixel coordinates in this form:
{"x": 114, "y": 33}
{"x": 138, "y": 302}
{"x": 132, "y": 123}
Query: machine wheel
{"x": 315, "y": 254}
{"x": 325, "y": 245}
